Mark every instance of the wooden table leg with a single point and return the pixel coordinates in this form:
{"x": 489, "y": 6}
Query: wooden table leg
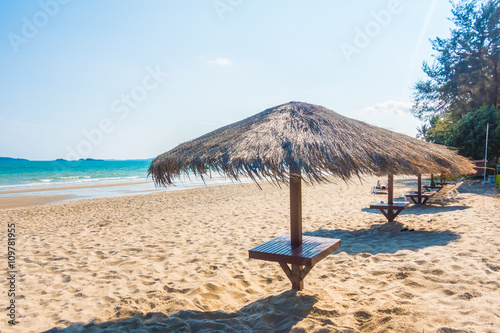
{"x": 397, "y": 212}
{"x": 297, "y": 282}
{"x": 296, "y": 275}
{"x": 391, "y": 213}
{"x": 385, "y": 214}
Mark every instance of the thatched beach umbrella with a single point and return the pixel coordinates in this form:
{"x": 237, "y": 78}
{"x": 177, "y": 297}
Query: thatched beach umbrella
{"x": 299, "y": 141}
{"x": 311, "y": 139}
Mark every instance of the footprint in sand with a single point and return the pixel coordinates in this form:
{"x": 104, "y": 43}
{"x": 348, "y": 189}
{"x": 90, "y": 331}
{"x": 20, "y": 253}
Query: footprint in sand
{"x": 405, "y": 295}
{"x": 468, "y": 296}
{"x": 435, "y": 272}
{"x": 448, "y": 292}
{"x": 394, "y": 311}
{"x": 148, "y": 283}
{"x": 176, "y": 290}
{"x": 324, "y": 312}
{"x": 362, "y": 316}
{"x": 413, "y": 284}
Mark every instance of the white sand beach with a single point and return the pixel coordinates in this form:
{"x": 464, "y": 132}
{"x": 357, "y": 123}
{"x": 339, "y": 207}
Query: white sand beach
{"x": 178, "y": 261}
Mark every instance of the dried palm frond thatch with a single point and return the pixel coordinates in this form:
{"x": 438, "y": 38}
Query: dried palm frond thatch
{"x": 306, "y": 138}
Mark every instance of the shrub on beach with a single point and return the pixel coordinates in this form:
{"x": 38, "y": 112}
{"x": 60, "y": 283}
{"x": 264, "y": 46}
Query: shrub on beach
{"x": 497, "y": 181}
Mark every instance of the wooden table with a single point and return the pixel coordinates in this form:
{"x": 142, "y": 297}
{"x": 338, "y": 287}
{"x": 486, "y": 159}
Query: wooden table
{"x": 392, "y": 210}
{"x": 306, "y": 255}
{"x": 419, "y": 198}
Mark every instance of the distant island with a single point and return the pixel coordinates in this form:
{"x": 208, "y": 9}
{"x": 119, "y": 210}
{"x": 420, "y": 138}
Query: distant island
{"x": 101, "y": 160}
{"x": 89, "y": 159}
{"x": 81, "y": 159}
{"x": 12, "y": 159}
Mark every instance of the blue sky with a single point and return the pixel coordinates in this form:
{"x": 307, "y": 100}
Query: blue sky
{"x": 132, "y": 79}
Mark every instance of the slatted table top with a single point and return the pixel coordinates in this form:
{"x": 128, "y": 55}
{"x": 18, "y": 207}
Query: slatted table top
{"x": 311, "y": 251}
{"x": 386, "y": 205}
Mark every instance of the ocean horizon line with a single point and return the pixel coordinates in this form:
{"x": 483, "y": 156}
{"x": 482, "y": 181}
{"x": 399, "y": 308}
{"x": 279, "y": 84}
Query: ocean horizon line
{"x": 6, "y": 158}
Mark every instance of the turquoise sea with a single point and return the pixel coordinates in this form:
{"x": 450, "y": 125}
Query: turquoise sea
{"x": 48, "y": 178}
{"x": 22, "y": 174}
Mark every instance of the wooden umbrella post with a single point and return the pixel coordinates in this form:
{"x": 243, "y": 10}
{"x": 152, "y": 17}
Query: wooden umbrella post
{"x": 390, "y": 209}
{"x": 295, "y": 208}
{"x": 432, "y": 181}
{"x": 419, "y": 188}
{"x": 390, "y": 189}
{"x": 296, "y": 224}
{"x": 300, "y": 252}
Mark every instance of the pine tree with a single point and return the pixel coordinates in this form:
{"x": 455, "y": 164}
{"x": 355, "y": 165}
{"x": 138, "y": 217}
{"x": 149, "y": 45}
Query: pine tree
{"x": 465, "y": 74}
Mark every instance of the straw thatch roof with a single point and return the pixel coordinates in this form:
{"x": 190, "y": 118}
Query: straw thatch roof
{"x": 310, "y": 137}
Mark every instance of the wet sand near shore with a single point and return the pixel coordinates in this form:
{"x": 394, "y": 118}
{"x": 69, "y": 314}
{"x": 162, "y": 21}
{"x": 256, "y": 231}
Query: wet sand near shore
{"x": 14, "y": 202}
{"x": 62, "y": 188}
{"x": 33, "y": 200}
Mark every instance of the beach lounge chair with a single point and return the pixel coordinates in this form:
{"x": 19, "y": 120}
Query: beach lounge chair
{"x": 454, "y": 191}
{"x": 379, "y": 188}
{"x": 443, "y": 195}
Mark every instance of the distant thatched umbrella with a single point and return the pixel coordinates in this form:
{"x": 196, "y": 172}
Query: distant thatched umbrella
{"x": 297, "y": 141}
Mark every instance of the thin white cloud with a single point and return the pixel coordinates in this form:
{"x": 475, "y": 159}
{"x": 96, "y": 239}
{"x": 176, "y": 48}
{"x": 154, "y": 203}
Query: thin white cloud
{"x": 223, "y": 62}
{"x": 420, "y": 39}
{"x": 389, "y": 108}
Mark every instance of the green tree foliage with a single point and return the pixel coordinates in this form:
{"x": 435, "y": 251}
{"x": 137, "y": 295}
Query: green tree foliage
{"x": 422, "y": 131}
{"x": 438, "y": 130}
{"x": 468, "y": 135}
{"x": 465, "y": 74}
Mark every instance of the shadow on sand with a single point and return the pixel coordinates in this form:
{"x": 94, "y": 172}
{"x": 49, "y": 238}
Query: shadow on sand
{"x": 477, "y": 187}
{"x": 421, "y": 209}
{"x": 271, "y": 314}
{"x": 386, "y": 238}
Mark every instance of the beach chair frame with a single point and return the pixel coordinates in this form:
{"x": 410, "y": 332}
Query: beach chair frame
{"x": 378, "y": 190}
{"x": 444, "y": 195}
